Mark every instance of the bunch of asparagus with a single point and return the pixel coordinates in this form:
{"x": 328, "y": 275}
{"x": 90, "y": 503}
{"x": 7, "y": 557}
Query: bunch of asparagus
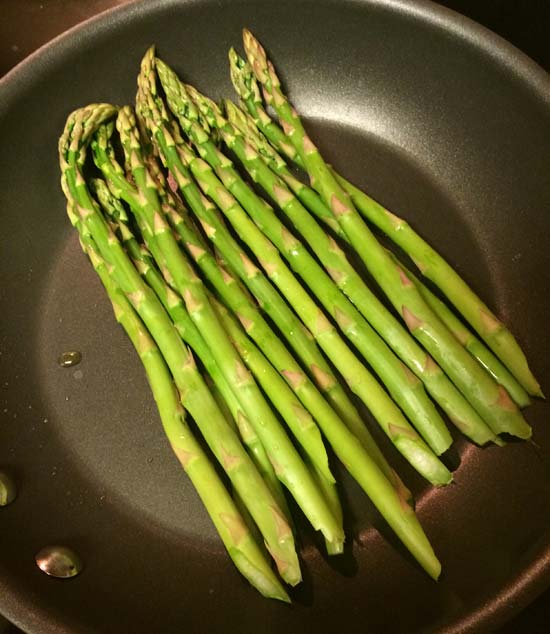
{"x": 249, "y": 317}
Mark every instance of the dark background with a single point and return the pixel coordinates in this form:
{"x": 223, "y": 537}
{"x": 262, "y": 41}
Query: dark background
{"x": 27, "y": 24}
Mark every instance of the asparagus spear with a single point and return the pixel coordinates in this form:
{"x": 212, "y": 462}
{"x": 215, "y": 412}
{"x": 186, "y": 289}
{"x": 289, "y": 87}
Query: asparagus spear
{"x": 306, "y": 434}
{"x": 309, "y": 197}
{"x": 144, "y": 203}
{"x": 236, "y": 298}
{"x": 195, "y": 396}
{"x": 273, "y": 384}
{"x": 358, "y": 378}
{"x": 237, "y": 539}
{"x": 173, "y": 305}
{"x": 291, "y": 327}
{"x": 230, "y": 289}
{"x": 474, "y": 346}
{"x": 221, "y": 391}
{"x": 330, "y": 492}
{"x": 433, "y": 266}
{"x": 246, "y": 126}
{"x": 257, "y": 328}
{"x": 489, "y": 399}
{"x": 246, "y": 85}
{"x": 399, "y": 516}
{"x": 405, "y": 389}
{"x": 286, "y": 403}
{"x": 350, "y": 282}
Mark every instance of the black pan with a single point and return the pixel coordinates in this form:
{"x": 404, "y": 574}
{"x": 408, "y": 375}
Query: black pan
{"x": 443, "y": 122}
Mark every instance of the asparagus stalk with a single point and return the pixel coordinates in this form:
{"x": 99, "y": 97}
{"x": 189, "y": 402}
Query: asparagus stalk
{"x": 236, "y": 298}
{"x": 350, "y": 282}
{"x": 144, "y": 202}
{"x": 405, "y": 389}
{"x": 272, "y": 382}
{"x": 474, "y": 346}
{"x": 358, "y": 378}
{"x": 257, "y": 328}
{"x": 433, "y": 266}
{"x": 248, "y": 521}
{"x": 195, "y": 396}
{"x": 489, "y": 399}
{"x": 300, "y": 339}
{"x": 290, "y": 326}
{"x": 246, "y": 126}
{"x": 399, "y": 516}
{"x": 237, "y": 539}
{"x": 246, "y": 85}
{"x": 173, "y": 305}
{"x": 288, "y": 406}
{"x": 309, "y": 197}
{"x": 330, "y": 492}
{"x": 306, "y": 434}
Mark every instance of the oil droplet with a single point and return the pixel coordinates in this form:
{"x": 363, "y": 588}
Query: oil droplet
{"x": 70, "y": 358}
{"x": 8, "y": 490}
{"x": 59, "y": 561}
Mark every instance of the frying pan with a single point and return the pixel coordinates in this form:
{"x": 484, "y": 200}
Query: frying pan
{"x": 443, "y": 122}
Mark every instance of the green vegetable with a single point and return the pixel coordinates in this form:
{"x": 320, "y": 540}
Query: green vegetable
{"x": 218, "y": 189}
{"x": 288, "y": 465}
{"x": 174, "y": 306}
{"x": 226, "y": 516}
{"x": 496, "y": 335}
{"x": 489, "y": 399}
{"x": 457, "y": 408}
{"x": 195, "y": 396}
{"x": 400, "y": 516}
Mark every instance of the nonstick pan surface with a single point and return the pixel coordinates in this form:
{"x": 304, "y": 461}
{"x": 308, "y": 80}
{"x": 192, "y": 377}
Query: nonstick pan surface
{"x": 441, "y": 121}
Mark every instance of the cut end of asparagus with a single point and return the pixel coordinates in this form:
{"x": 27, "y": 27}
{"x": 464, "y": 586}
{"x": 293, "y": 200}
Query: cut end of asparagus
{"x": 268, "y": 586}
{"x": 334, "y": 547}
{"x": 434, "y": 571}
{"x": 538, "y": 392}
{"x": 424, "y": 461}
